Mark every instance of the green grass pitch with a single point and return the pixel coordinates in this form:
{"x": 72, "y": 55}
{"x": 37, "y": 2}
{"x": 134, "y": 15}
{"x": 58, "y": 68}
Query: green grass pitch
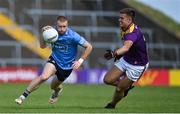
{"x": 90, "y": 99}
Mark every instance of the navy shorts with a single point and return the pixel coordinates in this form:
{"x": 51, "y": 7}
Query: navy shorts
{"x": 60, "y": 73}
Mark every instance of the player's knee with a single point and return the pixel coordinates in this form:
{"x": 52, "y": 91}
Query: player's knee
{"x": 107, "y": 81}
{"x": 43, "y": 78}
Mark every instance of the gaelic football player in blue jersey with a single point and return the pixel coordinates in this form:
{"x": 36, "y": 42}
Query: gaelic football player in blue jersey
{"x": 62, "y": 60}
{"x": 133, "y": 61}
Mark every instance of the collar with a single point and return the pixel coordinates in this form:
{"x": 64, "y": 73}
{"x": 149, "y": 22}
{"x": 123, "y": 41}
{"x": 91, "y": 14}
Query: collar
{"x": 129, "y": 29}
{"x": 66, "y": 31}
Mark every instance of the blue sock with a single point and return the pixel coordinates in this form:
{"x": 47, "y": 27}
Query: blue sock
{"x": 26, "y": 93}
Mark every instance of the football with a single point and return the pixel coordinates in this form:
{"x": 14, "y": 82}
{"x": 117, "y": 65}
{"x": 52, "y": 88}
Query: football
{"x": 50, "y": 35}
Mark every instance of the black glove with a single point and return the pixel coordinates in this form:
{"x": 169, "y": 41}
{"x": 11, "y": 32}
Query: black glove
{"x": 110, "y": 54}
{"x": 117, "y": 57}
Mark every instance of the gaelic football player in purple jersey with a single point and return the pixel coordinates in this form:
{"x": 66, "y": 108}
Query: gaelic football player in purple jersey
{"x": 134, "y": 60}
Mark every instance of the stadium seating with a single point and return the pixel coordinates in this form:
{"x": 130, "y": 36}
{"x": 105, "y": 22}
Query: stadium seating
{"x": 94, "y": 19}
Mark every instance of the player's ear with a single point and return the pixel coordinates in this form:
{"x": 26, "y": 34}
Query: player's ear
{"x": 129, "y": 18}
{"x": 132, "y": 14}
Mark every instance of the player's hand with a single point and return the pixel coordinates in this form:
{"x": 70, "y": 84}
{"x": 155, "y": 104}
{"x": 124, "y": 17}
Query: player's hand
{"x": 46, "y": 27}
{"x": 76, "y": 65}
{"x": 116, "y": 56}
{"x": 112, "y": 54}
{"x": 109, "y": 54}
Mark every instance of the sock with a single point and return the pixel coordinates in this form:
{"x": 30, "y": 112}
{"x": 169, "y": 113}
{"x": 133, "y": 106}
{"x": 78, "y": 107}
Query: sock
{"x": 26, "y": 93}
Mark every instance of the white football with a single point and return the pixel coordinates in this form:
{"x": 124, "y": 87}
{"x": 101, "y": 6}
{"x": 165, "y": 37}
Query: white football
{"x": 50, "y": 35}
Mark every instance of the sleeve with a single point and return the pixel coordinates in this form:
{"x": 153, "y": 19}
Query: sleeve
{"x": 130, "y": 36}
{"x": 79, "y": 39}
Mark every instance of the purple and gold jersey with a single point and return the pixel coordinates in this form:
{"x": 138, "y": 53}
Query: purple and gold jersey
{"x": 137, "y": 54}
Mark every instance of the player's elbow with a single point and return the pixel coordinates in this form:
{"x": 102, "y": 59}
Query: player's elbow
{"x": 90, "y": 47}
{"x": 127, "y": 46}
{"x": 126, "y": 49}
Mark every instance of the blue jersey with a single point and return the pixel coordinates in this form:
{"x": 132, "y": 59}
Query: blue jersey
{"x": 64, "y": 50}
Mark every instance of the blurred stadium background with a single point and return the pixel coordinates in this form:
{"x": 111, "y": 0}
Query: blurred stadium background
{"x": 21, "y": 59}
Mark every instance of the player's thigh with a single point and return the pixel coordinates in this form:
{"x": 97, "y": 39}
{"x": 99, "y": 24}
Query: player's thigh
{"x": 49, "y": 70}
{"x": 125, "y": 83}
{"x": 113, "y": 74}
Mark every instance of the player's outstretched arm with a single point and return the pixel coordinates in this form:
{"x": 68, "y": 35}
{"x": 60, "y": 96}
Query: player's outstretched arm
{"x": 125, "y": 48}
{"x": 42, "y": 43}
{"x": 87, "y": 51}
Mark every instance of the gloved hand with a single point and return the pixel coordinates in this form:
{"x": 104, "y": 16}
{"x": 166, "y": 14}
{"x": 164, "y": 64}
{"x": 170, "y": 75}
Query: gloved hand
{"x": 117, "y": 57}
{"x": 111, "y": 54}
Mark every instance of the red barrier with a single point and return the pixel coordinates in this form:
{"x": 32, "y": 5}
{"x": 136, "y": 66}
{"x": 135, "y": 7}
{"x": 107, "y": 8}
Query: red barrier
{"x": 152, "y": 77}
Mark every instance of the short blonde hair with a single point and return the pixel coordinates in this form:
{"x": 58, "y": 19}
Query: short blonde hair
{"x": 62, "y": 18}
{"x": 129, "y": 11}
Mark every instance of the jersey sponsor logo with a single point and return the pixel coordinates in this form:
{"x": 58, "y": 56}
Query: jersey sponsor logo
{"x": 62, "y": 47}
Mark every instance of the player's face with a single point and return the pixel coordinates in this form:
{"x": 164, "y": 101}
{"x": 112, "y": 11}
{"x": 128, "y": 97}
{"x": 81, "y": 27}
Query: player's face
{"x": 124, "y": 21}
{"x": 62, "y": 26}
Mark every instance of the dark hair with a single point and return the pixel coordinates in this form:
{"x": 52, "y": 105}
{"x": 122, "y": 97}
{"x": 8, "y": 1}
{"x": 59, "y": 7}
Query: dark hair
{"x": 129, "y": 11}
{"x": 62, "y": 18}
